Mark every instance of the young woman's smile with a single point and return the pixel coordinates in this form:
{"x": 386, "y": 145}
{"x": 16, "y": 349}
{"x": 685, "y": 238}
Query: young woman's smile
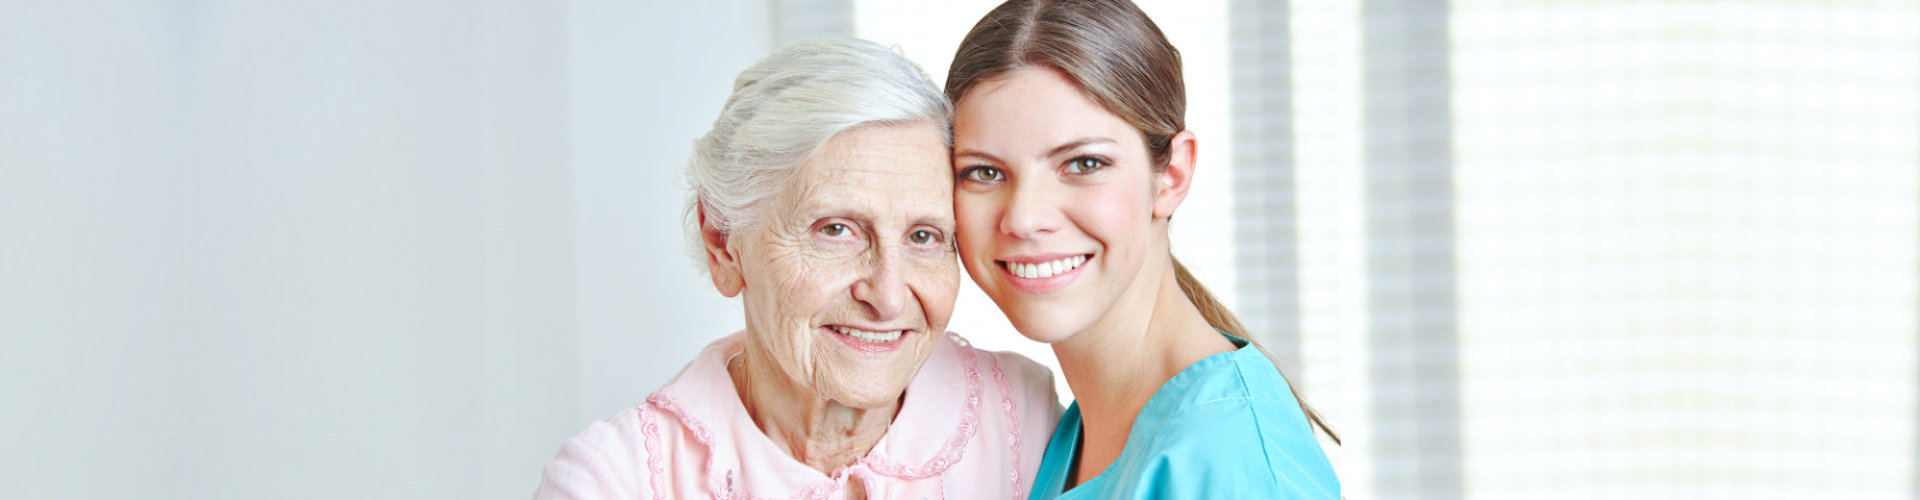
{"x": 1036, "y": 274}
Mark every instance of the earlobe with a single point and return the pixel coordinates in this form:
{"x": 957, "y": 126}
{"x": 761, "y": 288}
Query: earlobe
{"x": 1178, "y": 179}
{"x": 721, "y": 262}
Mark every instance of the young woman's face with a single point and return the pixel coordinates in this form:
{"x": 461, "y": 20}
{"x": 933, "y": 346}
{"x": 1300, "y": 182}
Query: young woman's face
{"x": 1053, "y": 199}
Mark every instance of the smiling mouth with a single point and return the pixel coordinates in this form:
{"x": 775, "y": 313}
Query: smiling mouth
{"x": 1037, "y": 270}
{"x": 870, "y": 337}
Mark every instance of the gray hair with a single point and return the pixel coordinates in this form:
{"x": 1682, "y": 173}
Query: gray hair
{"x": 784, "y": 108}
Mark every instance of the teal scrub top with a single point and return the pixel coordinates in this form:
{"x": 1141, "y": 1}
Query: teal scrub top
{"x": 1225, "y": 427}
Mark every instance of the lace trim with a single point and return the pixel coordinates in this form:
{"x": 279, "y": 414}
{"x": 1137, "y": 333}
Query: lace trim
{"x": 721, "y": 490}
{"x": 722, "y": 487}
{"x": 969, "y": 422}
{"x": 1013, "y": 428}
{"x": 651, "y": 428}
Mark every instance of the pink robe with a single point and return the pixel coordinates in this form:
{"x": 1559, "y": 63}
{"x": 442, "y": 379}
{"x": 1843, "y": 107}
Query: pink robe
{"x": 974, "y": 425}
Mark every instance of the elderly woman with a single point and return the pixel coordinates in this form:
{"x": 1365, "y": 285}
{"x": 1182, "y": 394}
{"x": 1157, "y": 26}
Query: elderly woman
{"x": 823, "y": 198}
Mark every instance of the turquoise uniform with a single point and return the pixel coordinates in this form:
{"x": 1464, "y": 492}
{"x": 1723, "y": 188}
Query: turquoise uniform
{"x": 1225, "y": 427}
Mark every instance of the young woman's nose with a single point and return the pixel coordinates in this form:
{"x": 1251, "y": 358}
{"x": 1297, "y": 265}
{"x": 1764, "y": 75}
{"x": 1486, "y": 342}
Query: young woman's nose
{"x": 1031, "y": 210}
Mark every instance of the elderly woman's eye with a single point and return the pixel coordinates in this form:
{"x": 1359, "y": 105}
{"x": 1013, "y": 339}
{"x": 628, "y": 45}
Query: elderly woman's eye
{"x": 1086, "y": 164}
{"x": 982, "y": 174}
{"x": 836, "y": 229}
{"x": 923, "y": 237}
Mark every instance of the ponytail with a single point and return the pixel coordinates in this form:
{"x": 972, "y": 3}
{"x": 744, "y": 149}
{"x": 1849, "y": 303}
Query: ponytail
{"x": 1222, "y": 319}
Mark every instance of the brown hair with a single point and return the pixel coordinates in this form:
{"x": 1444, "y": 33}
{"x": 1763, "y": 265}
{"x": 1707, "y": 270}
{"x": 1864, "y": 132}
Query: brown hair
{"x": 1120, "y": 60}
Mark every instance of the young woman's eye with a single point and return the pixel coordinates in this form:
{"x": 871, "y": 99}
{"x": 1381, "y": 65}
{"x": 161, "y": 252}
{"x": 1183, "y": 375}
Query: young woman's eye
{"x": 982, "y": 174}
{"x": 835, "y": 229}
{"x": 1085, "y": 164}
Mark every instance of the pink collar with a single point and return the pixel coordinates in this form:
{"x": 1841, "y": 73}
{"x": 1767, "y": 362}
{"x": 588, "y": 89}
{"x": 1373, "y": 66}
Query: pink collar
{"x": 936, "y": 420}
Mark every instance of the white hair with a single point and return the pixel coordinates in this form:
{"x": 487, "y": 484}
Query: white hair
{"x": 784, "y": 108}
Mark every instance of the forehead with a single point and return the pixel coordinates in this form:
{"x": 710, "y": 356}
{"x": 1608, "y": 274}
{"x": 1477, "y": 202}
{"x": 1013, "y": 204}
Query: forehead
{"x": 1029, "y": 108}
{"x": 878, "y": 169}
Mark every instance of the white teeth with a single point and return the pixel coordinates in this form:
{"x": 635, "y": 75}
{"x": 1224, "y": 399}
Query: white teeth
{"x": 1046, "y": 269}
{"x": 870, "y": 337}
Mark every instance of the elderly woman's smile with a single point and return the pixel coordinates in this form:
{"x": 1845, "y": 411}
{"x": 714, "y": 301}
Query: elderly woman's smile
{"x": 871, "y": 340}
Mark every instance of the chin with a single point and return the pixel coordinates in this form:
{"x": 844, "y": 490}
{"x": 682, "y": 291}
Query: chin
{"x": 1044, "y": 328}
{"x": 1037, "y": 320}
{"x": 867, "y": 400}
{"x": 866, "y": 392}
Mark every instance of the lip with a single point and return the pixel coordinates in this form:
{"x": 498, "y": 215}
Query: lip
{"x": 867, "y": 347}
{"x": 1041, "y": 285}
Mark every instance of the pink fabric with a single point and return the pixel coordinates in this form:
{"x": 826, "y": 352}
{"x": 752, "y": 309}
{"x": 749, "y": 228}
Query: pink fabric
{"x": 1013, "y": 426}
{"x": 694, "y": 439}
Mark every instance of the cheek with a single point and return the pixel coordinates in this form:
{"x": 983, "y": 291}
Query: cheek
{"x": 937, "y": 284}
{"x": 975, "y": 217}
{"x": 804, "y": 287}
{"x": 1118, "y": 214}
{"x": 971, "y": 211}
{"x": 797, "y": 287}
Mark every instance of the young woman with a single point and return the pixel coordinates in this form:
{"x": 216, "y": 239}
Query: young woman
{"x": 1070, "y": 158}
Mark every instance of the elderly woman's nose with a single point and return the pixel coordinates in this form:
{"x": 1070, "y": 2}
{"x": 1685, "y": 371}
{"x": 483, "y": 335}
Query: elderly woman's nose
{"x": 883, "y": 289}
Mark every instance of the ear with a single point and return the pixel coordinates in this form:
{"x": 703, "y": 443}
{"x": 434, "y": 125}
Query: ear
{"x": 722, "y": 264}
{"x": 1178, "y": 179}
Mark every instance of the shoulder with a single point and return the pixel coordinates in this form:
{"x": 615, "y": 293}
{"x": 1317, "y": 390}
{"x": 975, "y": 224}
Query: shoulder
{"x": 659, "y": 448}
{"x": 644, "y": 449}
{"x": 1011, "y": 369}
{"x": 1021, "y": 403}
{"x": 1027, "y": 383}
{"x": 606, "y": 460}
{"x": 1233, "y": 450}
{"x": 1023, "y": 374}
{"x": 1248, "y": 435}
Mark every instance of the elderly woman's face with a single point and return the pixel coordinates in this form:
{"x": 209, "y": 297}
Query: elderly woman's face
{"x": 850, "y": 279}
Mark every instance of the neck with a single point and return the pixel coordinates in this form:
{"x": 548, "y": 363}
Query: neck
{"x": 1115, "y": 366}
{"x": 817, "y": 431}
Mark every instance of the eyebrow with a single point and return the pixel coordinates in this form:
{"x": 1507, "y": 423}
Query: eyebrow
{"x": 1056, "y": 151}
{"x": 814, "y": 211}
{"x": 1077, "y": 144}
{"x": 944, "y": 223}
{"x": 982, "y": 154}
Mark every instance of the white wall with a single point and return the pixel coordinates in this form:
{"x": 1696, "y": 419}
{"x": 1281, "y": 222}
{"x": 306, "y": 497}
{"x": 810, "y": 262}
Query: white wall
{"x": 91, "y": 252}
{"x": 351, "y": 249}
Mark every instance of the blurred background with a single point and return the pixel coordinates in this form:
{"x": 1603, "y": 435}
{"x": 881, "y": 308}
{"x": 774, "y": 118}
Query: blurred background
{"x": 1510, "y": 248}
